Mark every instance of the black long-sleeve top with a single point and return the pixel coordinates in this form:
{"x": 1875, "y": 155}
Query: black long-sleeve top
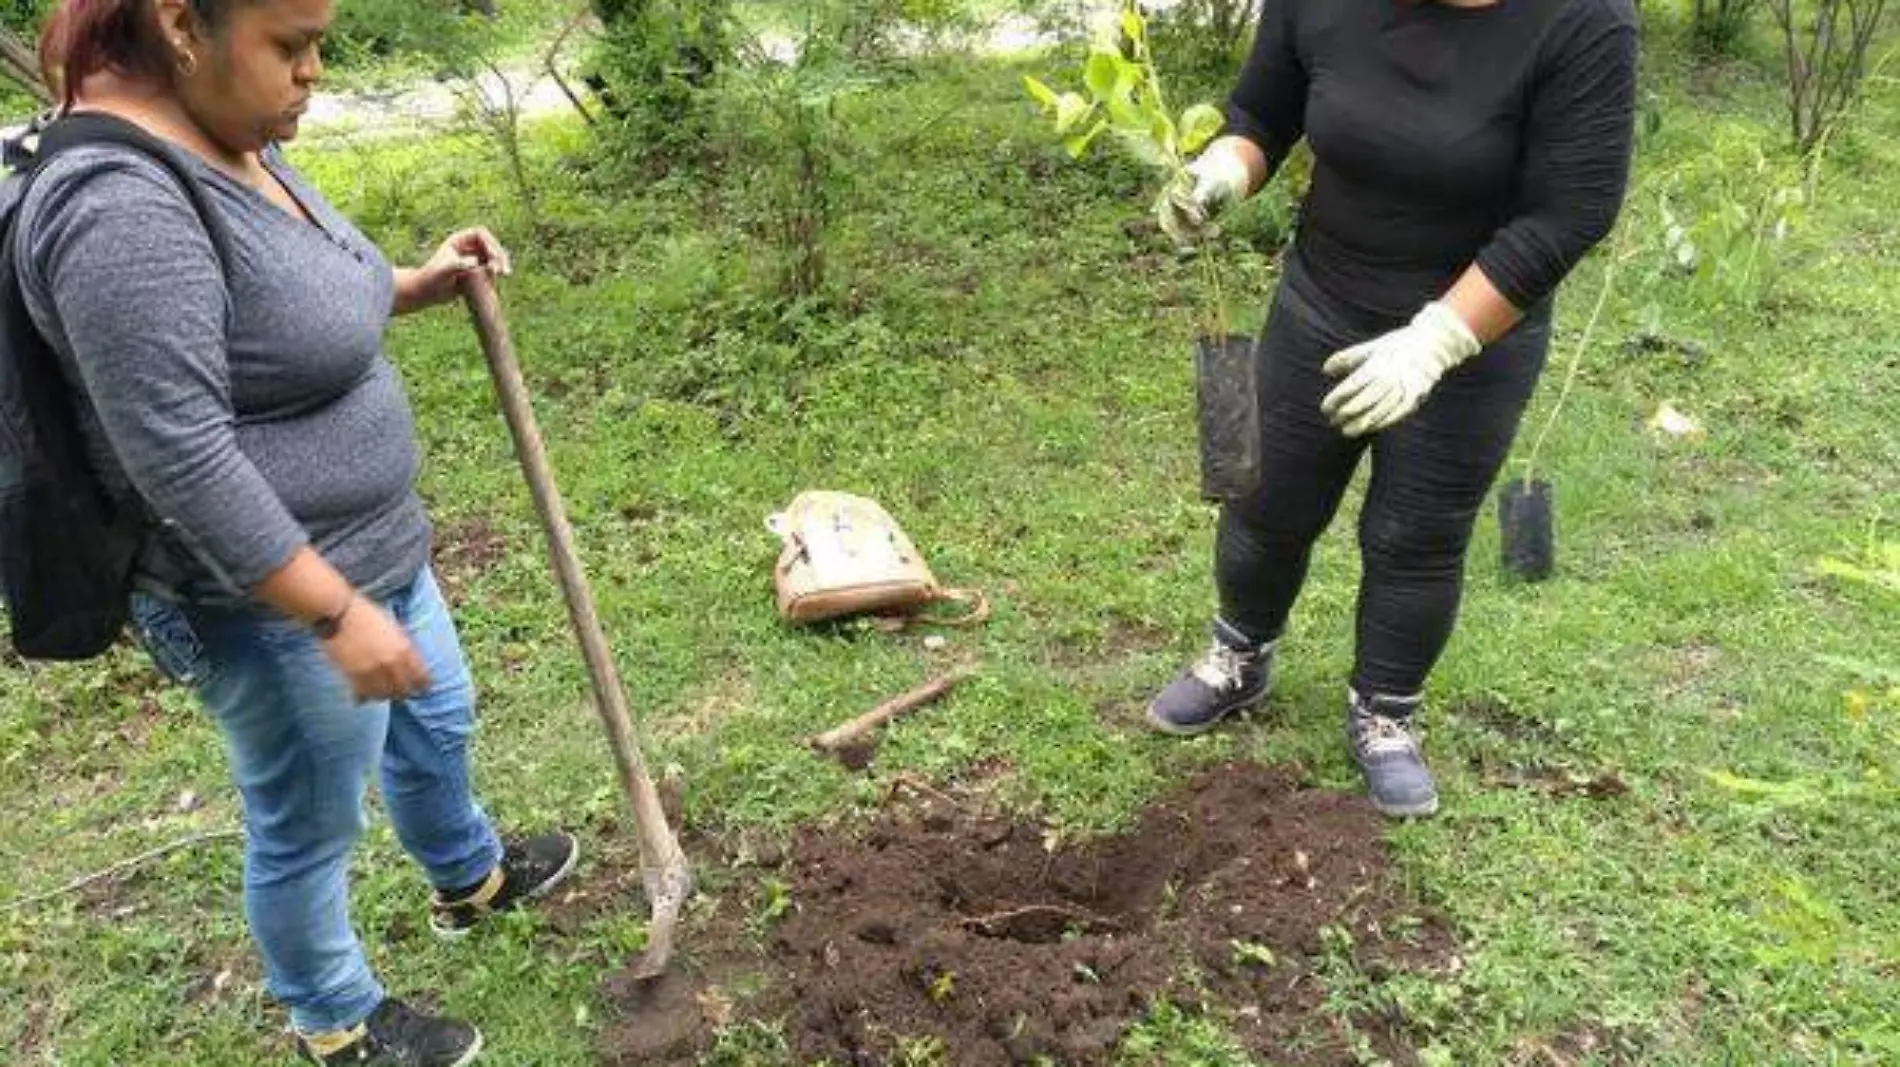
{"x": 1445, "y": 136}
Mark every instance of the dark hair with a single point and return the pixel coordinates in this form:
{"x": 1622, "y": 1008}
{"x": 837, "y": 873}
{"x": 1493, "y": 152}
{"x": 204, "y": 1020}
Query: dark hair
{"x": 84, "y": 37}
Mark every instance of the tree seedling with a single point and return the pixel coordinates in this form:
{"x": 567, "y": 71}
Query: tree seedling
{"x": 1526, "y": 517}
{"x": 1122, "y": 100}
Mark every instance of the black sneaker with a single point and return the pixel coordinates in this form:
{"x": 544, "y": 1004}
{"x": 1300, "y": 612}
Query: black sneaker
{"x": 529, "y": 868}
{"x": 1232, "y": 677}
{"x": 396, "y": 1035}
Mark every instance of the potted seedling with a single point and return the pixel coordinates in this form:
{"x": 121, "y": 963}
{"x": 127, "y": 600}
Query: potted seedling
{"x": 1121, "y": 99}
{"x": 1526, "y": 518}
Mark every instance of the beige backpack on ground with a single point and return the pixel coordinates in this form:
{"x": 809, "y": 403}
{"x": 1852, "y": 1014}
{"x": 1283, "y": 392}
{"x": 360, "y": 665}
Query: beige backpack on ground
{"x": 845, "y": 556}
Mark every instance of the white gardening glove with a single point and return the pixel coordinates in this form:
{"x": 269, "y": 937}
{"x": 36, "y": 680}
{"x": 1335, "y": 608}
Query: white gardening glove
{"x": 1215, "y": 181}
{"x": 1389, "y": 377}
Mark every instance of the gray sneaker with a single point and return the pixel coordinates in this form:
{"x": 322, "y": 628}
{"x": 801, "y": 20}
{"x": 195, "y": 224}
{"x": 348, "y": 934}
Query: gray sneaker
{"x": 1232, "y": 677}
{"x": 1384, "y": 743}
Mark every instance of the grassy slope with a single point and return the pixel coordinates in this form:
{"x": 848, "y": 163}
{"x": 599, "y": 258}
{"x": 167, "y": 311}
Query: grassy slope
{"x": 1010, "y": 377}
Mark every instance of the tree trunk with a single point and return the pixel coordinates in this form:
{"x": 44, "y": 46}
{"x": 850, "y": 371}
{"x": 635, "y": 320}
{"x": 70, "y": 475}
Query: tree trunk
{"x": 20, "y": 64}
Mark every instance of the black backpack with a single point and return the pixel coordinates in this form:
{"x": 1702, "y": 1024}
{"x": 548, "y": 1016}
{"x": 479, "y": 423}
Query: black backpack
{"x": 68, "y": 544}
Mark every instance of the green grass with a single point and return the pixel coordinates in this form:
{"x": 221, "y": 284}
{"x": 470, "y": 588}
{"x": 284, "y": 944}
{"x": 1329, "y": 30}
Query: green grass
{"x": 1007, "y": 370}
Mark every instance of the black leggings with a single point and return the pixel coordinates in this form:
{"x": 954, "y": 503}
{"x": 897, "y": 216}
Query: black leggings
{"x": 1431, "y": 475}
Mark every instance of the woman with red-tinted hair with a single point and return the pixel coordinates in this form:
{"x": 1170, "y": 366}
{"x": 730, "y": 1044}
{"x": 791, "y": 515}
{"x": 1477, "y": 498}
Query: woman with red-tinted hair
{"x": 237, "y": 384}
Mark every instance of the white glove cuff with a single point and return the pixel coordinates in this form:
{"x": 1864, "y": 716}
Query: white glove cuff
{"x": 1454, "y": 337}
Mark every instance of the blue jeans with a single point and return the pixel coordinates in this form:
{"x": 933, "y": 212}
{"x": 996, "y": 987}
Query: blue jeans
{"x": 302, "y": 751}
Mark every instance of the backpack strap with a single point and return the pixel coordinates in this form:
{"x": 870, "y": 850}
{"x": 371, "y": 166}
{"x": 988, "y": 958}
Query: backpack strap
{"x": 81, "y": 128}
{"x": 976, "y": 608}
{"x": 976, "y": 612}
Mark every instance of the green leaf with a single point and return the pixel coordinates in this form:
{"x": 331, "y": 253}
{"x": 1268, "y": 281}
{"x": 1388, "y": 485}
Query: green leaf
{"x": 1198, "y": 126}
{"x": 1125, "y": 112}
{"x": 1042, "y": 93}
{"x": 1133, "y": 26}
{"x": 1161, "y": 128}
{"x": 1071, "y": 111}
{"x": 1103, "y": 74}
{"x": 1111, "y": 78}
{"x": 1078, "y": 145}
{"x": 1142, "y": 145}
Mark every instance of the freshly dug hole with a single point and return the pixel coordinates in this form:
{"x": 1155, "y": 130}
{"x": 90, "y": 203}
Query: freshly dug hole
{"x": 959, "y": 927}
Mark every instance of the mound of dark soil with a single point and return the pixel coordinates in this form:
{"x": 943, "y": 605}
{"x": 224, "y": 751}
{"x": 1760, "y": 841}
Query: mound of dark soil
{"x": 1243, "y": 891}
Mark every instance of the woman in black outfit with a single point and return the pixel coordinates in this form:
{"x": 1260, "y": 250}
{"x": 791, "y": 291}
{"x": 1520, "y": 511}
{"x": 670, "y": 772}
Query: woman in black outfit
{"x": 1468, "y": 153}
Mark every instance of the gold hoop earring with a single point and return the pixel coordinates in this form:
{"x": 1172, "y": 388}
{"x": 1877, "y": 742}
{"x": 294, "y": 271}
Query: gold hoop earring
{"x": 187, "y": 62}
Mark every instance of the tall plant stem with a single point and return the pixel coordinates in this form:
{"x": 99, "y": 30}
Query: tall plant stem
{"x": 1576, "y": 358}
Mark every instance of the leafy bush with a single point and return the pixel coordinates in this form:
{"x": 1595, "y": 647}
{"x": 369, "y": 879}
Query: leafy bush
{"x": 788, "y": 125}
{"x": 767, "y": 113}
{"x": 24, "y": 16}
{"x": 1063, "y": 20}
{"x": 785, "y": 120}
{"x": 365, "y": 32}
{"x": 1205, "y": 41}
{"x": 1718, "y": 26}
{"x": 1716, "y": 225}
{"x": 371, "y": 31}
{"x": 654, "y": 70}
{"x": 880, "y": 30}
